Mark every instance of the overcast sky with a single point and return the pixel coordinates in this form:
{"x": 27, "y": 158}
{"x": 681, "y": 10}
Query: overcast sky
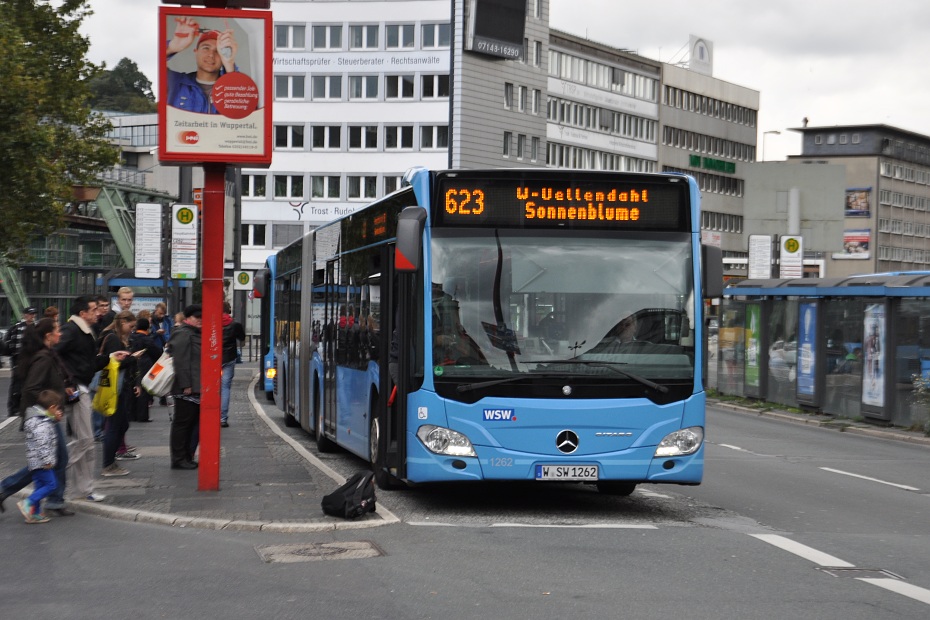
{"x": 833, "y": 61}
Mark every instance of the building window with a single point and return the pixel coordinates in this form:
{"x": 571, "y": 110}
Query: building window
{"x": 398, "y": 137}
{"x": 434, "y": 136}
{"x": 284, "y": 234}
{"x": 290, "y": 37}
{"x": 818, "y": 139}
{"x": 326, "y": 87}
{"x": 508, "y": 95}
{"x": 434, "y": 86}
{"x": 289, "y": 136}
{"x": 324, "y": 187}
{"x": 326, "y": 136}
{"x": 363, "y": 37}
{"x": 398, "y": 86}
{"x": 537, "y": 53}
{"x": 253, "y": 186}
{"x": 436, "y": 35}
{"x": 399, "y": 36}
{"x": 391, "y": 184}
{"x": 521, "y": 145}
{"x": 363, "y": 87}
{"x": 362, "y": 187}
{"x": 508, "y": 138}
{"x": 534, "y": 149}
{"x": 327, "y": 37}
{"x": 288, "y": 186}
{"x": 521, "y": 98}
{"x": 363, "y": 137}
{"x": 253, "y": 235}
{"x": 855, "y": 138}
{"x": 289, "y": 87}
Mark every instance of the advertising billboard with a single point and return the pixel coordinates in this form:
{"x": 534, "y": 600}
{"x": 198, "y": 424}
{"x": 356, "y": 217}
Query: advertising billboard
{"x": 215, "y": 86}
{"x": 496, "y": 28}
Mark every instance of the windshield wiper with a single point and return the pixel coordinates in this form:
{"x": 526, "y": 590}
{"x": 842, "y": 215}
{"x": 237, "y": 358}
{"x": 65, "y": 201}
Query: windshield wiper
{"x": 611, "y": 366}
{"x": 468, "y": 387}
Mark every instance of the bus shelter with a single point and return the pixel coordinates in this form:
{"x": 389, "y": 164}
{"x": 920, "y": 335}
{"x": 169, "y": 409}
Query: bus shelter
{"x": 855, "y": 347}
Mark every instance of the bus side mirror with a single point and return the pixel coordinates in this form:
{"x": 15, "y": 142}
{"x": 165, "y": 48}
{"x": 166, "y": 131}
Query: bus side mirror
{"x": 711, "y": 271}
{"x": 409, "y": 248}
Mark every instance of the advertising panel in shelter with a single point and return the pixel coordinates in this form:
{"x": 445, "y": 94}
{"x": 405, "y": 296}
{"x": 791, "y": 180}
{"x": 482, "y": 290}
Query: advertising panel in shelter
{"x": 215, "y": 86}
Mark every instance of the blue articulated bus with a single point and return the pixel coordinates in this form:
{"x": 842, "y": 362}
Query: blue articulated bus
{"x": 504, "y": 325}
{"x": 264, "y": 290}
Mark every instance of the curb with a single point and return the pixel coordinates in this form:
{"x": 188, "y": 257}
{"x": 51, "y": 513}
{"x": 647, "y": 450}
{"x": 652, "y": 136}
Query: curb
{"x": 381, "y": 517}
{"x": 838, "y": 424}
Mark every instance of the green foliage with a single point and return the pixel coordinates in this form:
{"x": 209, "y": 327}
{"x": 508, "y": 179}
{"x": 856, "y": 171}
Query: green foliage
{"x": 921, "y": 395}
{"x": 49, "y": 138}
{"x": 122, "y": 89}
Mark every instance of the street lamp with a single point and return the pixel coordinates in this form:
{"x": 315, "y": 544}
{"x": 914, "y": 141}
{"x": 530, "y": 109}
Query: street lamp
{"x": 765, "y": 133}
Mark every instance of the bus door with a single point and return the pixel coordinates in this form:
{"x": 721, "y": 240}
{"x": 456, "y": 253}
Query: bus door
{"x": 330, "y": 342}
{"x": 388, "y": 455}
{"x": 293, "y": 342}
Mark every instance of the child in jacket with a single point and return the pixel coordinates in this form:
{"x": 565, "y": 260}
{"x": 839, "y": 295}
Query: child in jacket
{"x": 41, "y": 450}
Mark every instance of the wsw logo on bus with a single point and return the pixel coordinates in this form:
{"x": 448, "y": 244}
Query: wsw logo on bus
{"x": 499, "y": 415}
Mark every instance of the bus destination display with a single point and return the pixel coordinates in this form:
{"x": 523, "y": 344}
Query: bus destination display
{"x": 584, "y": 203}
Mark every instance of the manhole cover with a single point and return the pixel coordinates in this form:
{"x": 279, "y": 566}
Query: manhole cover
{"x": 858, "y": 573}
{"x": 313, "y": 552}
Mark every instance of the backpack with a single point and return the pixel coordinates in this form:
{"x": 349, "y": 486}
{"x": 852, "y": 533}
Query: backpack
{"x": 352, "y": 499}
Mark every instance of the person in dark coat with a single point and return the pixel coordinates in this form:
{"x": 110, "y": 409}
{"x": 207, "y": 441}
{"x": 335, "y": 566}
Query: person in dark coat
{"x": 233, "y": 335}
{"x": 82, "y": 359}
{"x": 184, "y": 347}
{"x": 143, "y": 344}
{"x": 42, "y": 370}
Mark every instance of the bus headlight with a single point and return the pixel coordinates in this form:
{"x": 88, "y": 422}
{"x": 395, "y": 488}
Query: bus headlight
{"x": 681, "y": 443}
{"x": 445, "y": 441}
{"x": 271, "y": 373}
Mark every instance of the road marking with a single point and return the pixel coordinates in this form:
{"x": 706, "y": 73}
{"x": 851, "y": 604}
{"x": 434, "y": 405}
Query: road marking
{"x": 900, "y": 587}
{"x": 891, "y": 484}
{"x": 808, "y": 553}
{"x": 726, "y": 445}
{"x": 590, "y": 526}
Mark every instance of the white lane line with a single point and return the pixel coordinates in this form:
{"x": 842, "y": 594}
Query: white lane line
{"x": 726, "y": 445}
{"x": 891, "y": 484}
{"x": 900, "y": 587}
{"x": 808, "y": 553}
{"x": 592, "y": 526}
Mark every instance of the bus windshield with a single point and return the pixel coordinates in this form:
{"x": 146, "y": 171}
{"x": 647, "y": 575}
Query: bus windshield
{"x": 510, "y": 303}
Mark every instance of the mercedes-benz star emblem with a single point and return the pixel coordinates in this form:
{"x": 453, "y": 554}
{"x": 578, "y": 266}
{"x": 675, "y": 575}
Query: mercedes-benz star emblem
{"x": 566, "y": 442}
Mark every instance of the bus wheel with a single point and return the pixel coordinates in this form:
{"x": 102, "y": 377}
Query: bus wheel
{"x": 375, "y": 449}
{"x": 290, "y": 421}
{"x": 269, "y": 396}
{"x": 323, "y": 443}
{"x": 616, "y": 487}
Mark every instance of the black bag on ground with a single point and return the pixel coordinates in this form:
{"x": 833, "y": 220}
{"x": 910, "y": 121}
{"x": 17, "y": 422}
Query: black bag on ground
{"x": 352, "y": 499}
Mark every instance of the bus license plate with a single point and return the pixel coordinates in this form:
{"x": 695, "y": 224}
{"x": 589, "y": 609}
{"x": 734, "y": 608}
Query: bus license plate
{"x": 566, "y": 472}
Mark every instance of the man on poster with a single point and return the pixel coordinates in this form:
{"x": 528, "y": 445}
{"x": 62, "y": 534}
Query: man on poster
{"x": 215, "y": 55}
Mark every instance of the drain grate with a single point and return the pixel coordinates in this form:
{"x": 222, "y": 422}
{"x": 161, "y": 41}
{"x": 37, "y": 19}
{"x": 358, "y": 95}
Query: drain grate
{"x": 859, "y": 573}
{"x": 314, "y": 552}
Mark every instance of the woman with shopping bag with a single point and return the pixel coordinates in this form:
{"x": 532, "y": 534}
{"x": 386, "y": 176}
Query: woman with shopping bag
{"x": 113, "y": 339}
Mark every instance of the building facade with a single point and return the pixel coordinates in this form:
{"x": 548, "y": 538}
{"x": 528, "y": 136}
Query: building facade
{"x": 885, "y": 216}
{"x": 708, "y": 129}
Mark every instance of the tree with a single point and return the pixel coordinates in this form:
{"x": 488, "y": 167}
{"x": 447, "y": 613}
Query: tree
{"x": 122, "y": 89}
{"x": 50, "y": 140}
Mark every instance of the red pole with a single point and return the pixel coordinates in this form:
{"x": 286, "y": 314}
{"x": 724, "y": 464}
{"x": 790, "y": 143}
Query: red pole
{"x": 211, "y": 357}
